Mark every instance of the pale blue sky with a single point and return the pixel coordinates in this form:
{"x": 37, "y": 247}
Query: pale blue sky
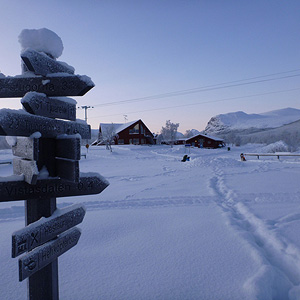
{"x": 134, "y": 49}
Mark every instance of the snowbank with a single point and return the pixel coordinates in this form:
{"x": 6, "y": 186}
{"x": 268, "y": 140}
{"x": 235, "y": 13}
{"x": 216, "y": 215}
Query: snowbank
{"x": 279, "y": 146}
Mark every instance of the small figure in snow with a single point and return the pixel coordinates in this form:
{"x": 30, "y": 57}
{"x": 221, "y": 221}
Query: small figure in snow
{"x": 185, "y": 158}
{"x": 243, "y": 157}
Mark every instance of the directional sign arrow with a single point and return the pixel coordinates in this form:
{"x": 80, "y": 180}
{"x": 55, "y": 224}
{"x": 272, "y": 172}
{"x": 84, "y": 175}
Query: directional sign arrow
{"x": 40, "y": 257}
{"x": 54, "y": 85}
{"x": 89, "y": 184}
{"x": 39, "y": 104}
{"x": 42, "y": 64}
{"x": 21, "y": 123}
{"x": 46, "y": 229}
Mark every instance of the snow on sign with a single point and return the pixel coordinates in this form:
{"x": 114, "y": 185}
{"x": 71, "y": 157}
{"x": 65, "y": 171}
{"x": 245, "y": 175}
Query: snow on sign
{"x": 46, "y": 229}
{"x": 42, "y": 64}
{"x": 26, "y": 167}
{"x": 43, "y": 255}
{"x": 47, "y": 154}
{"x": 52, "y": 85}
{"x": 40, "y": 104}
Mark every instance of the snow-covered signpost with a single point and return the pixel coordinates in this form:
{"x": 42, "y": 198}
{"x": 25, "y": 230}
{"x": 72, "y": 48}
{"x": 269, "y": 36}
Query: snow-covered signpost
{"x": 47, "y": 154}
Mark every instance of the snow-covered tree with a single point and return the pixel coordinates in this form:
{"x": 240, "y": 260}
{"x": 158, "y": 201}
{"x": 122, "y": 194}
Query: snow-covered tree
{"x": 188, "y": 133}
{"x": 108, "y": 136}
{"x": 169, "y": 132}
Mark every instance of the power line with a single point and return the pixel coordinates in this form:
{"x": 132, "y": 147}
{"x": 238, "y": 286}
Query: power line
{"x": 85, "y": 107}
{"x": 203, "y": 102}
{"x": 205, "y": 88}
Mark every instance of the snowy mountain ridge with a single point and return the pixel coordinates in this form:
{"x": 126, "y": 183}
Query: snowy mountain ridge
{"x": 240, "y": 120}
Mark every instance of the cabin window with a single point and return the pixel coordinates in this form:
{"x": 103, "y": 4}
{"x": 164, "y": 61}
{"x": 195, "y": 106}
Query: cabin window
{"x": 134, "y": 141}
{"x": 121, "y": 141}
{"x": 135, "y": 129}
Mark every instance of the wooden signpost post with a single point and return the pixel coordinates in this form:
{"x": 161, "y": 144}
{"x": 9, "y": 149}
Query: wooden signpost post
{"x": 46, "y": 144}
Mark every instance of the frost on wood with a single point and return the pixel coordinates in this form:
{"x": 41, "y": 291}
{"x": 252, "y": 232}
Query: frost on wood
{"x": 56, "y": 84}
{"x": 40, "y": 257}
{"x": 42, "y": 64}
{"x": 39, "y": 104}
{"x": 21, "y": 123}
{"x": 66, "y": 99}
{"x": 46, "y": 229}
{"x": 101, "y": 179}
{"x": 87, "y": 80}
{"x": 66, "y": 136}
{"x": 14, "y": 188}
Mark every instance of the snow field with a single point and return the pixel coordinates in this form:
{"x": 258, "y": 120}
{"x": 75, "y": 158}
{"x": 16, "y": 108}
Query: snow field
{"x": 210, "y": 228}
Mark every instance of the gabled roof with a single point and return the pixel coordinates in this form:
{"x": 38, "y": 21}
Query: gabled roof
{"x": 118, "y": 127}
{"x": 124, "y": 126}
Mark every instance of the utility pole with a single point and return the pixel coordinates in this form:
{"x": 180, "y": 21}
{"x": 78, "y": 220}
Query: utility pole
{"x": 85, "y": 107}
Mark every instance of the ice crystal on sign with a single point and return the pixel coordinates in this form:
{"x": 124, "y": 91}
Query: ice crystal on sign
{"x": 42, "y": 40}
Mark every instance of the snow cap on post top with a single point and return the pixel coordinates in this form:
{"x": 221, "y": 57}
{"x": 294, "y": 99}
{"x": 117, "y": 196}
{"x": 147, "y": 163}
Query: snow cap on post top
{"x": 42, "y": 40}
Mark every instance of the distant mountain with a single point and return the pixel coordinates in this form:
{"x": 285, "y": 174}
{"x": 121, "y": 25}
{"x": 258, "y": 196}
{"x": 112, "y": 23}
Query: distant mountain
{"x": 241, "y": 128}
{"x": 290, "y": 134}
{"x": 224, "y": 123}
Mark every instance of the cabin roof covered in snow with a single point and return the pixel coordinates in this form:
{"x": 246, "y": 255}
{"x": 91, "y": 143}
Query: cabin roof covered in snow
{"x": 205, "y": 135}
{"x": 200, "y": 134}
{"x": 118, "y": 127}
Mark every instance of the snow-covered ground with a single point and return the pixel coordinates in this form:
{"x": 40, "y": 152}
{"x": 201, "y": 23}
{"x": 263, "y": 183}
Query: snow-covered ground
{"x": 211, "y": 228}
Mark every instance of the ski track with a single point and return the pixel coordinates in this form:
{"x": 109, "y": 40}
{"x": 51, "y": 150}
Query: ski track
{"x": 278, "y": 257}
{"x": 17, "y": 212}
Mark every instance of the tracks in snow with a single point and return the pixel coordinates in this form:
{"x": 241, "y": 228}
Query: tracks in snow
{"x": 16, "y": 212}
{"x": 279, "y": 259}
